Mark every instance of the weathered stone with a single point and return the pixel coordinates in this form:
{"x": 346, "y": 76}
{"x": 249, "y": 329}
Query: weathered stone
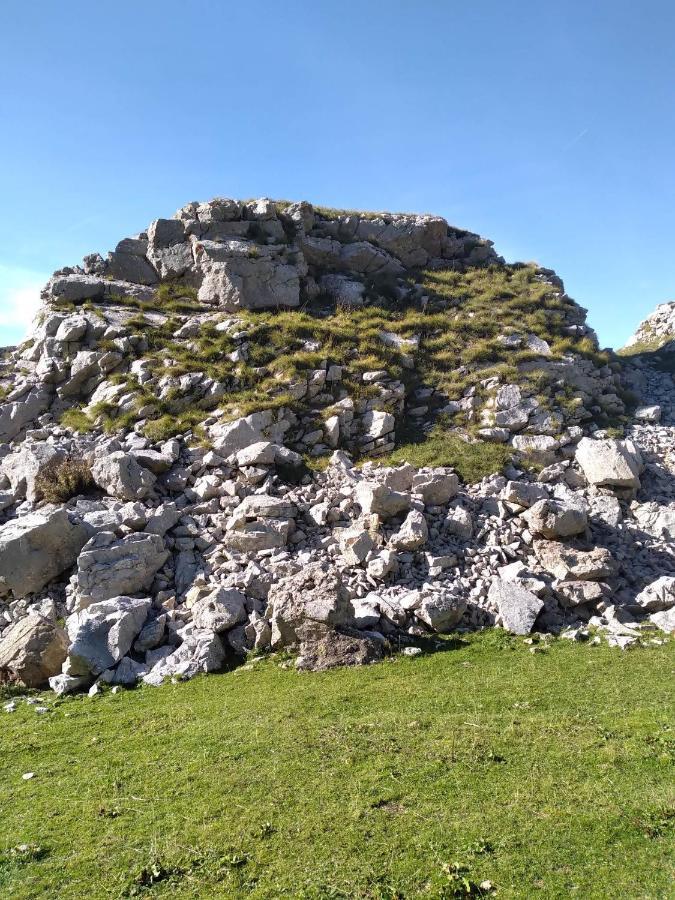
{"x": 659, "y": 595}
{"x": 570, "y": 564}
{"x": 459, "y": 522}
{"x": 103, "y": 633}
{"x": 33, "y": 649}
{"x": 556, "y": 519}
{"x": 440, "y": 610}
{"x": 200, "y": 652}
{"x": 25, "y": 465}
{"x": 221, "y": 610}
{"x": 306, "y": 605}
{"x": 436, "y": 487}
{"x": 523, "y": 493}
{"x": 518, "y": 608}
{"x": 119, "y": 475}
{"x": 574, "y": 593}
{"x": 37, "y": 548}
{"x": 609, "y": 462}
{"x": 413, "y": 533}
{"x": 355, "y": 542}
{"x": 381, "y": 500}
{"x": 340, "y": 648}
{"x": 110, "y": 567}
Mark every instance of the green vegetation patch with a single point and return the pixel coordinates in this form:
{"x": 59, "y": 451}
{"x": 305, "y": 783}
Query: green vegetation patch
{"x": 548, "y": 774}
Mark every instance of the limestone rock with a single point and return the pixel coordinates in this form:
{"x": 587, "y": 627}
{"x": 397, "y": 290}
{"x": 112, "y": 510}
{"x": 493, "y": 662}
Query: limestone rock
{"x": 37, "y": 548}
{"x": 440, "y": 610}
{"x": 306, "y": 605}
{"x": 437, "y": 487}
{"x": 120, "y": 475}
{"x": 25, "y": 465}
{"x": 659, "y": 595}
{"x": 381, "y": 500}
{"x": 340, "y": 648}
{"x": 518, "y": 607}
{"x": 33, "y": 649}
{"x": 109, "y": 567}
{"x": 221, "y": 610}
{"x": 103, "y": 633}
{"x": 609, "y": 462}
{"x": 556, "y": 519}
{"x": 413, "y": 533}
{"x": 570, "y": 564}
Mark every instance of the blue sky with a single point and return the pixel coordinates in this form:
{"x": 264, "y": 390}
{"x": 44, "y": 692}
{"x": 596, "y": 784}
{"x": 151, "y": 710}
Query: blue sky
{"x": 549, "y": 128}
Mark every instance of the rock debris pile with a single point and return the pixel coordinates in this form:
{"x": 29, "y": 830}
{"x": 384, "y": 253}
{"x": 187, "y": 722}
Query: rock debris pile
{"x": 128, "y": 554}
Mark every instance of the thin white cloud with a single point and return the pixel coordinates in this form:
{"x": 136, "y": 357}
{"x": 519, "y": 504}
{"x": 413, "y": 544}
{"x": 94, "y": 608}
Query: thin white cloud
{"x": 19, "y": 301}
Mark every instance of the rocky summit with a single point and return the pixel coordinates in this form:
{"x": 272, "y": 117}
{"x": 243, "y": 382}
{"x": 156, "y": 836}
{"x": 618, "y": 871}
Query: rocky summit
{"x": 261, "y": 425}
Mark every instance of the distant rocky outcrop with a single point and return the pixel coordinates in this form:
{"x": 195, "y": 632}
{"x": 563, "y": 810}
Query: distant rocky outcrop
{"x": 655, "y": 333}
{"x": 259, "y": 425}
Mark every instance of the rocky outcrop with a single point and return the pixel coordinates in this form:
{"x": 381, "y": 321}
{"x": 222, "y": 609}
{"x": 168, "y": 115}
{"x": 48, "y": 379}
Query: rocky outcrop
{"x": 232, "y": 375}
{"x": 656, "y": 332}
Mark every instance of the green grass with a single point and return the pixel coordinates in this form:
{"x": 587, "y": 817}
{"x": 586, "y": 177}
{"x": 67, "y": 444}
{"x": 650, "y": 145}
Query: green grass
{"x": 550, "y": 774}
{"x": 471, "y": 461}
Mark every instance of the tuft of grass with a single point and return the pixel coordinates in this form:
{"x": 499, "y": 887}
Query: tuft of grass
{"x": 62, "y": 479}
{"x": 548, "y": 775}
{"x": 76, "y": 419}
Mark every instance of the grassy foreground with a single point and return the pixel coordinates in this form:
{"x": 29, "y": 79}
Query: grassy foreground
{"x": 549, "y": 774}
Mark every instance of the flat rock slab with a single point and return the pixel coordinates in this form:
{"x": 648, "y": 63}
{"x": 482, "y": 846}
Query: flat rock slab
{"x": 517, "y": 606}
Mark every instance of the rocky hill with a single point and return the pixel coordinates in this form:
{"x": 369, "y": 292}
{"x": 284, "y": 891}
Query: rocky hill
{"x": 655, "y": 335}
{"x": 264, "y": 424}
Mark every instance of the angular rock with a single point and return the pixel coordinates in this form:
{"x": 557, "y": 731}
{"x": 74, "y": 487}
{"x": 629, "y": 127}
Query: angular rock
{"x": 381, "y": 500}
{"x": 120, "y": 475}
{"x": 25, "y": 465}
{"x": 518, "y": 607}
{"x": 556, "y": 519}
{"x": 37, "y": 548}
{"x": 305, "y": 606}
{"x": 221, "y": 610}
{"x": 413, "y": 533}
{"x": 441, "y": 610}
{"x": 437, "y": 487}
{"x": 110, "y": 567}
{"x": 200, "y": 652}
{"x": 570, "y": 564}
{"x": 611, "y": 463}
{"x": 340, "y": 648}
{"x": 657, "y": 596}
{"x": 103, "y": 633}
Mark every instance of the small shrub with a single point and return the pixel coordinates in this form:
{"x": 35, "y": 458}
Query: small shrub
{"x": 62, "y": 479}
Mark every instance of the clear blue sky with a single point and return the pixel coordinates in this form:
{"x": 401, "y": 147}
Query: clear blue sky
{"x": 547, "y": 127}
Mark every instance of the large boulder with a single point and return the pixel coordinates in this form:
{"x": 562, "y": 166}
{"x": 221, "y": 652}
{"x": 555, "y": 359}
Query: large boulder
{"x": 556, "y": 519}
{"x": 103, "y": 633}
{"x": 37, "y": 548}
{"x": 306, "y": 605}
{"x": 109, "y": 567}
{"x": 413, "y": 533}
{"x": 571, "y": 564}
{"x": 15, "y": 415}
{"x": 33, "y": 649}
{"x": 441, "y": 610}
{"x": 518, "y": 608}
{"x": 609, "y": 463}
{"x": 120, "y": 475}
{"x": 200, "y": 652}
